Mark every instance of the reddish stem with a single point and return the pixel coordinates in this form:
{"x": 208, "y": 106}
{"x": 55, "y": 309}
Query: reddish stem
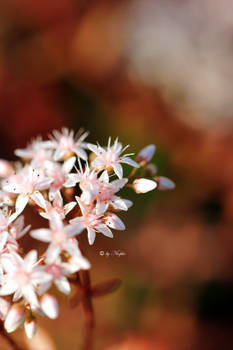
{"x": 88, "y": 311}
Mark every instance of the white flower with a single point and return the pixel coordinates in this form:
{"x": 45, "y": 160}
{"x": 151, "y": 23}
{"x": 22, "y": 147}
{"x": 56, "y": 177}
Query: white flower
{"x": 143, "y": 185}
{"x": 29, "y": 182}
{"x": 59, "y": 237}
{"x": 91, "y": 221}
{"x": 22, "y": 277}
{"x": 36, "y": 152}
{"x": 59, "y": 270}
{"x": 61, "y": 176}
{"x": 57, "y": 206}
{"x": 106, "y": 194}
{"x": 67, "y": 144}
{"x": 88, "y": 183}
{"x": 110, "y": 158}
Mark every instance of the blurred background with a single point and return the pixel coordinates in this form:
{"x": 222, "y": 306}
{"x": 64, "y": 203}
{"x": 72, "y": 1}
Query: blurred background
{"x": 148, "y": 71}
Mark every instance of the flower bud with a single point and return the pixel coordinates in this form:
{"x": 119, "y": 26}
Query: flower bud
{"x": 5, "y": 168}
{"x": 30, "y": 327}
{"x": 49, "y": 305}
{"x": 164, "y": 183}
{"x": 14, "y": 318}
{"x": 146, "y": 154}
{"x": 4, "y": 308}
{"x": 144, "y": 185}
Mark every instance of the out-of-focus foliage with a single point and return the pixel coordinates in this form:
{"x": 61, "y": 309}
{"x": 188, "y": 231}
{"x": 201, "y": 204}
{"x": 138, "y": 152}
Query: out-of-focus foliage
{"x": 149, "y": 72}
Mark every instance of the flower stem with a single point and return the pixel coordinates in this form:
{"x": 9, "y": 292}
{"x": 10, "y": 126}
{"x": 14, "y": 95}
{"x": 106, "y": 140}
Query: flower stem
{"x": 88, "y": 311}
{"x": 4, "y": 334}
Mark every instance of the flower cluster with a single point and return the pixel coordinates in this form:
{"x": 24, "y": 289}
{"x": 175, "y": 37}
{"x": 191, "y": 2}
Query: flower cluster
{"x": 74, "y": 186}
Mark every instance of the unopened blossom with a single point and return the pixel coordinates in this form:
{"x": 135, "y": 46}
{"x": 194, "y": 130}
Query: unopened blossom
{"x": 58, "y": 235}
{"x": 30, "y": 327}
{"x": 146, "y": 154}
{"x": 14, "y": 318}
{"x": 6, "y": 168}
{"x": 29, "y": 183}
{"x": 164, "y": 183}
{"x": 110, "y": 158}
{"x": 143, "y": 185}
{"x": 66, "y": 144}
{"x": 57, "y": 206}
{"x": 22, "y": 276}
{"x": 61, "y": 176}
{"x": 49, "y": 305}
{"x": 4, "y": 308}
{"x": 91, "y": 221}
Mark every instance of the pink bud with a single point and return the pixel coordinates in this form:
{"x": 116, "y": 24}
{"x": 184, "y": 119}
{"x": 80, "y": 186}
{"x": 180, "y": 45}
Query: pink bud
{"x": 164, "y": 183}
{"x": 4, "y": 308}
{"x": 30, "y": 327}
{"x": 49, "y": 305}
{"x": 5, "y": 168}
{"x": 144, "y": 185}
{"x": 14, "y": 318}
{"x": 146, "y": 154}
{"x": 114, "y": 222}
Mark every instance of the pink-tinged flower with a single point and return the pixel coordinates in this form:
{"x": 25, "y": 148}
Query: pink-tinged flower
{"x": 6, "y": 168}
{"x": 59, "y": 237}
{"x": 30, "y": 327}
{"x": 143, "y": 185}
{"x": 14, "y": 318}
{"x": 57, "y": 206}
{"x": 164, "y": 183}
{"x": 67, "y": 144}
{"x": 4, "y": 308}
{"x": 61, "y": 176}
{"x": 22, "y": 276}
{"x": 49, "y": 306}
{"x": 59, "y": 270}
{"x": 28, "y": 186}
{"x": 36, "y": 152}
{"x": 91, "y": 221}
{"x": 88, "y": 182}
{"x": 110, "y": 158}
{"x": 106, "y": 194}
{"x": 146, "y": 154}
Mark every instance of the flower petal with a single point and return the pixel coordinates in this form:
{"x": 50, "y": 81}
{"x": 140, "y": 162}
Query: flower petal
{"x": 42, "y": 234}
